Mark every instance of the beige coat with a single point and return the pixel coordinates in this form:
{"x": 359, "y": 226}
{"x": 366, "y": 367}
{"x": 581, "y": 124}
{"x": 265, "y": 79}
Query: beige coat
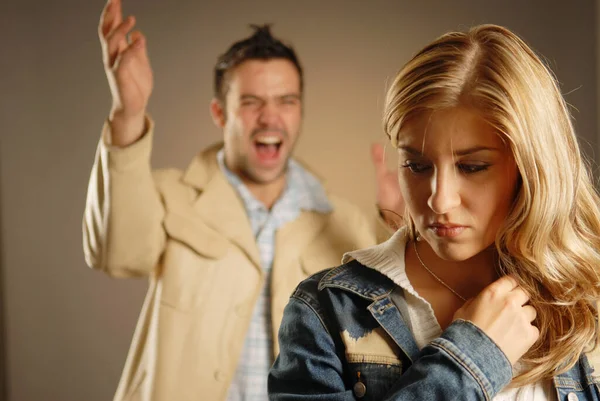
{"x": 189, "y": 233}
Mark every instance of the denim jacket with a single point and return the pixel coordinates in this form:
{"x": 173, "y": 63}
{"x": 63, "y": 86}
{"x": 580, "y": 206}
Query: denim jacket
{"x": 344, "y": 337}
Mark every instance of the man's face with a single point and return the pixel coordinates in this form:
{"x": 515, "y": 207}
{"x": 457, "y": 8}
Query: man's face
{"x": 262, "y": 117}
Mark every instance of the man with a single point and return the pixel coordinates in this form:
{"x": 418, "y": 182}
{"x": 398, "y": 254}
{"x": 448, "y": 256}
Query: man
{"x": 223, "y": 243}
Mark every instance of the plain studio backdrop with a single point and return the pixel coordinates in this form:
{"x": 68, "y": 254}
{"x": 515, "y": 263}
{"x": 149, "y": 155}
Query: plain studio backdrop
{"x": 65, "y": 328}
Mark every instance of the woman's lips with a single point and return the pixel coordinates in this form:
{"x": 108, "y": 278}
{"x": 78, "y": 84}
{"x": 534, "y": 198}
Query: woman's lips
{"x": 447, "y": 230}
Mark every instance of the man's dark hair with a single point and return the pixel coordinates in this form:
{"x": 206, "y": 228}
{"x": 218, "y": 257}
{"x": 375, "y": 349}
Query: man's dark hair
{"x": 260, "y": 46}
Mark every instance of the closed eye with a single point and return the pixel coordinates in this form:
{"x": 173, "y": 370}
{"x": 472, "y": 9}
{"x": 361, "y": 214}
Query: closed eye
{"x": 472, "y": 168}
{"x": 417, "y": 168}
{"x": 290, "y": 100}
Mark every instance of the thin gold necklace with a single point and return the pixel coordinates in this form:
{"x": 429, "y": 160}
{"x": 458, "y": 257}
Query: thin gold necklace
{"x": 435, "y": 275}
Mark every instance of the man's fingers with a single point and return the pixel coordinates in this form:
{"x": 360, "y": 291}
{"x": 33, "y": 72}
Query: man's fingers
{"x": 110, "y": 18}
{"x": 378, "y": 157}
{"x": 117, "y": 40}
{"x": 118, "y": 11}
{"x": 138, "y": 42}
{"x": 135, "y": 36}
{"x": 106, "y": 20}
{"x": 137, "y": 45}
{"x": 136, "y": 51}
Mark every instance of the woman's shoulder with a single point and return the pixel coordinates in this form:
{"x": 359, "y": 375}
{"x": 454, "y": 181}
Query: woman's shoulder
{"x": 350, "y": 277}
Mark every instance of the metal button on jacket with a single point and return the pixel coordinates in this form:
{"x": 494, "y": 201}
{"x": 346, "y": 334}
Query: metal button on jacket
{"x": 360, "y": 390}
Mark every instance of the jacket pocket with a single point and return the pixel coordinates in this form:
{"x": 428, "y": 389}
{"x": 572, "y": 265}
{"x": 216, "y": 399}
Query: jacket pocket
{"x": 372, "y": 381}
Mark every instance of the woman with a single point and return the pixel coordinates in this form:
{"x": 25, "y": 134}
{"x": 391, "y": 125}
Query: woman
{"x": 489, "y": 292}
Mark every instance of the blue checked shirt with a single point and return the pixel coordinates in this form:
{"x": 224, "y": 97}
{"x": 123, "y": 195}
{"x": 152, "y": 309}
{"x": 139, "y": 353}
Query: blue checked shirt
{"x": 302, "y": 192}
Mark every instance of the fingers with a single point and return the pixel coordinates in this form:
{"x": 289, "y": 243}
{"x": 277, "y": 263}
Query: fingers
{"x": 515, "y": 296}
{"x": 535, "y": 333}
{"x": 116, "y": 41}
{"x": 502, "y": 311}
{"x": 136, "y": 48}
{"x": 118, "y": 9}
{"x": 137, "y": 39}
{"x": 531, "y": 332}
{"x": 135, "y": 54}
{"x": 530, "y": 313}
{"x": 378, "y": 157}
{"x": 501, "y": 286}
{"x": 518, "y": 296}
{"x": 120, "y": 32}
{"x": 110, "y": 18}
{"x": 113, "y": 30}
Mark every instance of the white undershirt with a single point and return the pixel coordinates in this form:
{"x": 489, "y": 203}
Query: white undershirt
{"x": 388, "y": 259}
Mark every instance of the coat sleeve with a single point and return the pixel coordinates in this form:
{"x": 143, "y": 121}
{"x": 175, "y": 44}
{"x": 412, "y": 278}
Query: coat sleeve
{"x": 123, "y": 234}
{"x": 367, "y": 228}
{"x": 463, "y": 364}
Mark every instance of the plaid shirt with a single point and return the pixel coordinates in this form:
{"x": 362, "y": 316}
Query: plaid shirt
{"x": 302, "y": 192}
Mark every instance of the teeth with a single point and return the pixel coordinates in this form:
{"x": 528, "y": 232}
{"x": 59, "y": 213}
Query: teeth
{"x": 268, "y": 140}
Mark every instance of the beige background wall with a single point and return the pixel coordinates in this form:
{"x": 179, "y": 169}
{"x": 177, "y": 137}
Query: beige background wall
{"x": 67, "y": 329}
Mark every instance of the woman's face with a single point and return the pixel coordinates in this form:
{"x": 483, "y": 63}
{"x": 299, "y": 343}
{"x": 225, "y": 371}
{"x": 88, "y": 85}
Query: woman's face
{"x": 458, "y": 179}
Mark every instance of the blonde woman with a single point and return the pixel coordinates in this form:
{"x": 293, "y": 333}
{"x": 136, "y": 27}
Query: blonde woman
{"x": 489, "y": 292}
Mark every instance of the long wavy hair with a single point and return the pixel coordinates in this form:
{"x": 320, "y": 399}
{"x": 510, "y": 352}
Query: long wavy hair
{"x": 550, "y": 240}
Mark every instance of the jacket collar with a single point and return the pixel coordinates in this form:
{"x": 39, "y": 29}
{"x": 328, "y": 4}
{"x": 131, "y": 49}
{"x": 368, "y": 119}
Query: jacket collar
{"x": 203, "y": 167}
{"x": 579, "y": 377}
{"x": 359, "y": 279}
{"x": 363, "y": 270}
{"x": 218, "y": 205}
{"x": 221, "y": 208}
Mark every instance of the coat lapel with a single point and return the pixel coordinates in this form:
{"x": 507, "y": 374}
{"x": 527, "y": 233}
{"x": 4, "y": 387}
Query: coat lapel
{"x": 218, "y": 204}
{"x": 290, "y": 241}
{"x": 220, "y": 208}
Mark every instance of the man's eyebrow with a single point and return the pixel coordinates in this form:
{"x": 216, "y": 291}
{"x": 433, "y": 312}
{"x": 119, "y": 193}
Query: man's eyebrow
{"x": 250, "y": 97}
{"x": 290, "y": 95}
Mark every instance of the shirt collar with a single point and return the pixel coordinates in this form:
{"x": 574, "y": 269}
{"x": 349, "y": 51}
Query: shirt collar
{"x": 308, "y": 192}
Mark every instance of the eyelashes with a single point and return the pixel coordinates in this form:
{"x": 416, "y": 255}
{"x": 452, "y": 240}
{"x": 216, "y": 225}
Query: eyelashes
{"x": 465, "y": 168}
{"x": 473, "y": 168}
{"x": 416, "y": 168}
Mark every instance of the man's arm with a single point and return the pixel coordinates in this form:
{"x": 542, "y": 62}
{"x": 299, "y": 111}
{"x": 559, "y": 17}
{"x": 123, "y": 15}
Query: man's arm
{"x": 122, "y": 225}
{"x": 123, "y": 233}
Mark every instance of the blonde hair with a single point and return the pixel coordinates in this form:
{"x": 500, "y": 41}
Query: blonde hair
{"x": 550, "y": 240}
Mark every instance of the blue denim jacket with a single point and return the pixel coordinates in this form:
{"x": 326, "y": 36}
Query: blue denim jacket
{"x": 343, "y": 337}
